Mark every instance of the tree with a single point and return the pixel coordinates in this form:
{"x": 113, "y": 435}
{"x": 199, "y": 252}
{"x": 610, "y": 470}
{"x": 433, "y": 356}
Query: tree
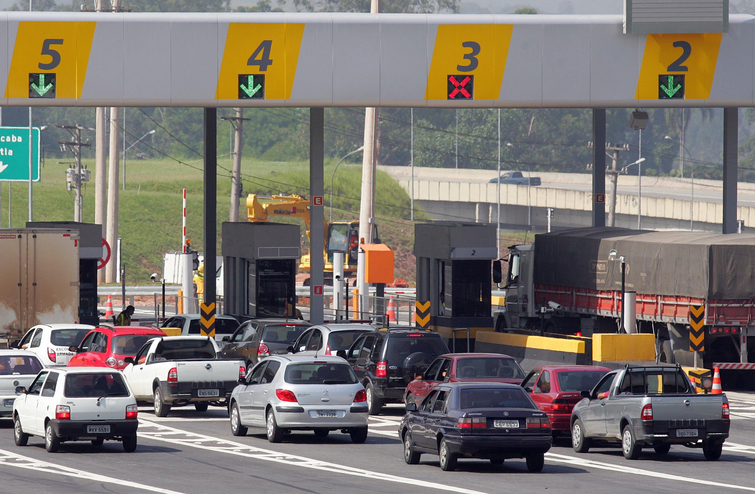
{"x": 387, "y": 6}
{"x": 261, "y": 6}
{"x": 39, "y": 5}
{"x": 177, "y": 5}
{"x": 526, "y": 10}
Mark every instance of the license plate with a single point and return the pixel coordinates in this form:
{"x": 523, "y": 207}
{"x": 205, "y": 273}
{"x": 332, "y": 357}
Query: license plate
{"x": 506, "y": 424}
{"x": 327, "y": 413}
{"x": 686, "y": 433}
{"x": 9, "y": 403}
{"x": 98, "y": 429}
{"x": 208, "y": 392}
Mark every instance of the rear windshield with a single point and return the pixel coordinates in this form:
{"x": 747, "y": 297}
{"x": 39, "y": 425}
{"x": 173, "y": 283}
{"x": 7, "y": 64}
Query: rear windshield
{"x": 185, "y": 350}
{"x": 320, "y": 373}
{"x": 129, "y": 344}
{"x": 95, "y": 385}
{"x": 222, "y": 326}
{"x": 342, "y": 340}
{"x": 403, "y": 345}
{"x": 470, "y": 368}
{"x": 282, "y": 333}
{"x": 578, "y": 380}
{"x": 67, "y": 337}
{"x": 495, "y": 398}
{"x": 20, "y": 366}
{"x": 655, "y": 381}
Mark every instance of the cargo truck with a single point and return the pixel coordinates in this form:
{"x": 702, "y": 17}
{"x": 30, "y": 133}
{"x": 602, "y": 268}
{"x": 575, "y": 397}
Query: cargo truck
{"x": 40, "y": 281}
{"x": 570, "y": 282}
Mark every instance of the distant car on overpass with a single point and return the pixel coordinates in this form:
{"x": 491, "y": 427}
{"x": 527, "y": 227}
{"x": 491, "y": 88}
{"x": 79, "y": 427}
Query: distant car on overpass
{"x": 516, "y": 178}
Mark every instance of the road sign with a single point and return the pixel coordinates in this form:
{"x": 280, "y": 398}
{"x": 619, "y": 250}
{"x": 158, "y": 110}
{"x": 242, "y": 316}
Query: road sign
{"x": 14, "y": 154}
{"x": 317, "y": 200}
{"x": 207, "y": 319}
{"x": 422, "y": 313}
{"x": 42, "y": 85}
{"x": 461, "y": 87}
{"x": 599, "y": 198}
{"x": 670, "y": 86}
{"x": 251, "y": 86}
{"x": 697, "y": 330}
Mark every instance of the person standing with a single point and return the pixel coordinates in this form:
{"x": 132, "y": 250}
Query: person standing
{"x": 199, "y": 284}
{"x": 124, "y": 318}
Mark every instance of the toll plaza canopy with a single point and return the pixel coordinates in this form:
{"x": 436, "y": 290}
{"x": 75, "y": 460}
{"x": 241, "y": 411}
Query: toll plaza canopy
{"x": 688, "y": 264}
{"x": 400, "y": 60}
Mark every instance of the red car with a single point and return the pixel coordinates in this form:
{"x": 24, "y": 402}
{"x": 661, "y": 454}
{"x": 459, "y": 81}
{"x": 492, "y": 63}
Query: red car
{"x": 555, "y": 389}
{"x": 109, "y": 346}
{"x": 464, "y": 367}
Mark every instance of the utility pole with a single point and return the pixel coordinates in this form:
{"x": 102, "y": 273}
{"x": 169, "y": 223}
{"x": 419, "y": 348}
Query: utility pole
{"x": 613, "y": 173}
{"x": 75, "y": 175}
{"x": 111, "y": 273}
{"x": 100, "y": 167}
{"x": 238, "y": 124}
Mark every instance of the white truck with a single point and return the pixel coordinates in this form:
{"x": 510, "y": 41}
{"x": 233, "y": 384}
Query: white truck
{"x": 40, "y": 279}
{"x": 178, "y": 370}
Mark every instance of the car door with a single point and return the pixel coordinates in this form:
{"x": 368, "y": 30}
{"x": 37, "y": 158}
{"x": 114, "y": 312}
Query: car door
{"x": 419, "y": 388}
{"x": 231, "y": 349}
{"x": 301, "y": 343}
{"x": 314, "y": 345}
{"x": 419, "y": 431}
{"x": 541, "y": 392}
{"x": 46, "y": 401}
{"x": 594, "y": 414}
{"x": 364, "y": 357}
{"x": 246, "y": 402}
{"x": 97, "y": 351}
{"x": 136, "y": 374}
{"x": 24, "y": 343}
{"x": 264, "y": 390}
{"x": 26, "y": 404}
{"x": 435, "y": 418}
{"x": 82, "y": 350}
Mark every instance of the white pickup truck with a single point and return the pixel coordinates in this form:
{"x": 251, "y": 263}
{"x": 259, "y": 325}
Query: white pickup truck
{"x": 178, "y": 370}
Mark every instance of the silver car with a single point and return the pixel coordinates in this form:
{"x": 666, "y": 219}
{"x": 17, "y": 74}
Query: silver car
{"x": 329, "y": 339}
{"x": 17, "y": 368}
{"x": 291, "y": 392}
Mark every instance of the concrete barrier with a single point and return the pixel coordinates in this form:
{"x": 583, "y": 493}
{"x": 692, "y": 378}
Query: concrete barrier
{"x": 532, "y": 350}
{"x": 609, "y": 347}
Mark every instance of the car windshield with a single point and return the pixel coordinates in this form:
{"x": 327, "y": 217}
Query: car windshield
{"x": 488, "y": 367}
{"x": 21, "y": 366}
{"x": 185, "y": 350}
{"x": 495, "y": 398}
{"x": 129, "y": 344}
{"x": 577, "y": 381}
{"x": 67, "y": 337}
{"x": 222, "y": 326}
{"x": 401, "y": 346}
{"x": 320, "y": 373}
{"x": 283, "y": 333}
{"x": 342, "y": 340}
{"x": 95, "y": 385}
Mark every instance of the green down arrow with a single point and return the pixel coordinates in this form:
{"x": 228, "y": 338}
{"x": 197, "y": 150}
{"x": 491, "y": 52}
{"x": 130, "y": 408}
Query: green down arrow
{"x": 250, "y": 90}
{"x": 41, "y": 89}
{"x": 670, "y": 90}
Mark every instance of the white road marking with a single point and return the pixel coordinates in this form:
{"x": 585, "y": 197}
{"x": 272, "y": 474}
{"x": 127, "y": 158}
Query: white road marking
{"x": 739, "y": 448}
{"x": 638, "y": 471}
{"x": 159, "y": 432}
{"x": 10, "y": 459}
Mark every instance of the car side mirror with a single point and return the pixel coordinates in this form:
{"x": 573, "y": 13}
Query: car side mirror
{"x": 20, "y": 390}
{"x": 14, "y": 344}
{"x": 129, "y": 360}
{"x": 290, "y": 349}
{"x": 497, "y": 273}
{"x": 341, "y": 353}
{"x": 73, "y": 348}
{"x": 411, "y": 407}
{"x": 242, "y": 380}
{"x": 226, "y": 338}
{"x": 585, "y": 394}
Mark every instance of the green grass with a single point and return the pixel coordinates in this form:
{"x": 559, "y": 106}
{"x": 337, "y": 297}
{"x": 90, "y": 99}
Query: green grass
{"x": 150, "y": 207}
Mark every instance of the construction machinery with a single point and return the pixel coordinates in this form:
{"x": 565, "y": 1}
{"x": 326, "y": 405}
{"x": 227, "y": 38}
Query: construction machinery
{"x": 340, "y": 236}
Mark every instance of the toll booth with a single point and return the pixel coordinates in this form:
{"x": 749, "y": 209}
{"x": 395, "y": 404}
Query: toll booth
{"x": 260, "y": 261}
{"x": 90, "y": 253}
{"x": 454, "y": 278}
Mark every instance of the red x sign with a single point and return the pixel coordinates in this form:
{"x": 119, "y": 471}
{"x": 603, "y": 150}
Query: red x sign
{"x": 460, "y": 87}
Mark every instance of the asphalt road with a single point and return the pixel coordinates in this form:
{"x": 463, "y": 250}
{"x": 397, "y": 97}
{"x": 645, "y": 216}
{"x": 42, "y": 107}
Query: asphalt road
{"x": 190, "y": 452}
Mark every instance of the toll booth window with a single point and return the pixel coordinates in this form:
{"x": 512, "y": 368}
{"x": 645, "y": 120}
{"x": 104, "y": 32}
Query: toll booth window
{"x": 275, "y": 287}
{"x": 338, "y": 241}
{"x": 513, "y": 269}
{"x": 471, "y": 288}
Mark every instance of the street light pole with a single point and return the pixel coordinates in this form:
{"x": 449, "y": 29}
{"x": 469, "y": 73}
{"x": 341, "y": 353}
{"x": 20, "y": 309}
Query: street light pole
{"x": 126, "y": 150}
{"x": 360, "y": 148}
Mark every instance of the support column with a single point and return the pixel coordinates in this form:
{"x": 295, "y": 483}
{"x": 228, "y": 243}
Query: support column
{"x": 210, "y": 203}
{"x": 731, "y": 143}
{"x": 599, "y": 167}
{"x": 317, "y": 213}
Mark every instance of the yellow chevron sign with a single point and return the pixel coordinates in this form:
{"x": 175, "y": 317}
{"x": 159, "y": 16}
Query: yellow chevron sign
{"x": 697, "y": 328}
{"x": 422, "y": 313}
{"x": 207, "y": 319}
{"x": 422, "y": 307}
{"x": 422, "y": 321}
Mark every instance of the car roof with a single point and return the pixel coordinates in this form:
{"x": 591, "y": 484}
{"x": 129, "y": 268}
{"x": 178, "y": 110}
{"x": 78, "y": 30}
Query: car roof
{"x": 309, "y": 358}
{"x": 10, "y": 352}
{"x": 84, "y": 370}
{"x": 64, "y": 326}
{"x": 301, "y": 322}
{"x": 475, "y": 355}
{"x": 127, "y": 330}
{"x": 346, "y": 327}
{"x": 186, "y": 337}
{"x": 465, "y": 385}
{"x": 197, "y": 316}
{"x": 572, "y": 368}
{"x": 406, "y": 330}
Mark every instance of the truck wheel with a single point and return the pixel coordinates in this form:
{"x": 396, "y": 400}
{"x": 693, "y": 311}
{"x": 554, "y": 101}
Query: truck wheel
{"x": 662, "y": 449}
{"x": 712, "y": 450}
{"x": 579, "y": 442}
{"x": 129, "y": 443}
{"x": 274, "y": 433}
{"x": 161, "y": 409}
{"x": 201, "y": 407}
{"x": 629, "y": 446}
{"x": 373, "y": 402}
{"x": 236, "y": 428}
{"x": 535, "y": 462}
{"x": 447, "y": 459}
{"x": 52, "y": 442}
{"x": 19, "y": 437}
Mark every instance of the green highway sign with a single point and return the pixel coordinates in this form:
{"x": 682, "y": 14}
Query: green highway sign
{"x": 251, "y": 86}
{"x": 14, "y": 154}
{"x": 670, "y": 86}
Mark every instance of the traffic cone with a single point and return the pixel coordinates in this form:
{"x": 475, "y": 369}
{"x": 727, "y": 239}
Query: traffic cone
{"x": 109, "y": 308}
{"x": 391, "y": 310}
{"x": 414, "y": 316}
{"x": 716, "y": 390}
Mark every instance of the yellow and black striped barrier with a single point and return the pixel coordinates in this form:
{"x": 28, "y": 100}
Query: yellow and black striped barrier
{"x": 207, "y": 319}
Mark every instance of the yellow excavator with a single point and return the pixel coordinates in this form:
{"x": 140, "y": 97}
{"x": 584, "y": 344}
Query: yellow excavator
{"x": 339, "y": 235}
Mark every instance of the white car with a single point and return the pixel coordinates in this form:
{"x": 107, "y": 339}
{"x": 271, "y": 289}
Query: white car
{"x": 76, "y": 404}
{"x": 17, "y": 368}
{"x": 329, "y": 339}
{"x": 51, "y": 342}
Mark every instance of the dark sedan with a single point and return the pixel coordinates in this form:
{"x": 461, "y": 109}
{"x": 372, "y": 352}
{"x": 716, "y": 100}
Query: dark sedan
{"x": 476, "y": 420}
{"x": 257, "y": 339}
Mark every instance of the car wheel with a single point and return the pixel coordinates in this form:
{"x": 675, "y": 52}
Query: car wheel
{"x": 535, "y": 462}
{"x": 161, "y": 409}
{"x": 373, "y": 402}
{"x": 358, "y": 435}
{"x": 497, "y": 461}
{"x": 321, "y": 433}
{"x": 201, "y": 407}
{"x": 662, "y": 448}
{"x": 712, "y": 450}
{"x": 629, "y": 446}
{"x": 447, "y": 459}
{"x": 52, "y": 442}
{"x": 20, "y": 438}
{"x": 98, "y": 442}
{"x": 274, "y": 433}
{"x": 579, "y": 442}
{"x": 236, "y": 428}
{"x": 129, "y": 443}
{"x": 410, "y": 455}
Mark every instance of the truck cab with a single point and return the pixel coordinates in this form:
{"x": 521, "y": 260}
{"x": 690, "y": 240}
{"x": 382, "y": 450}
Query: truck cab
{"x": 519, "y": 288}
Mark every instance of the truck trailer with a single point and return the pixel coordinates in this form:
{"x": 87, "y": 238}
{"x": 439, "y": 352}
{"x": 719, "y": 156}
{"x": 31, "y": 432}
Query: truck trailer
{"x": 570, "y": 282}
